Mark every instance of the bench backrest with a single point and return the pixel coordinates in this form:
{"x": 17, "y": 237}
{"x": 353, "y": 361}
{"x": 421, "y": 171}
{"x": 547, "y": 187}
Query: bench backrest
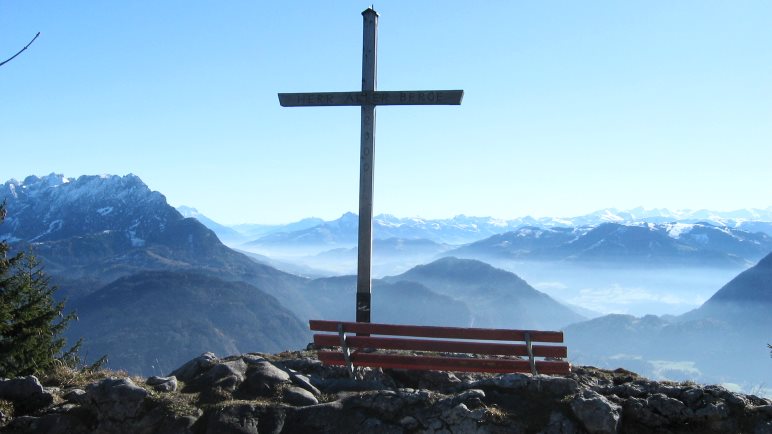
{"x": 449, "y": 343}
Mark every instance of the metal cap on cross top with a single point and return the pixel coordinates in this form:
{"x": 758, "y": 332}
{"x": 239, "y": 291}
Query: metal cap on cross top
{"x": 368, "y": 98}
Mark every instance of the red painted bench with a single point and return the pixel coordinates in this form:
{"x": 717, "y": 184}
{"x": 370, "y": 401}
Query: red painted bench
{"x": 433, "y": 339}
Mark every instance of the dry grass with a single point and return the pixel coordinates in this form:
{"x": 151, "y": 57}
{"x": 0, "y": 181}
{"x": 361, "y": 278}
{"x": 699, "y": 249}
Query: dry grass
{"x": 65, "y": 377}
{"x": 6, "y": 408}
{"x": 496, "y": 414}
{"x": 176, "y": 403}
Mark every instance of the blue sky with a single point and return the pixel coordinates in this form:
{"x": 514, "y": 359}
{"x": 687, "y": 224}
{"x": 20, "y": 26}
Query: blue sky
{"x": 569, "y": 106}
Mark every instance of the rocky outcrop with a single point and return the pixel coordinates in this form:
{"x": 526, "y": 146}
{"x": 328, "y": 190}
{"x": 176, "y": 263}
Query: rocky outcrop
{"x": 294, "y": 392}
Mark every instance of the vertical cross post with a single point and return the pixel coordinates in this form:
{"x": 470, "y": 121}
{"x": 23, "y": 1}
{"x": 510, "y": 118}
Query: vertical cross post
{"x": 365, "y": 241}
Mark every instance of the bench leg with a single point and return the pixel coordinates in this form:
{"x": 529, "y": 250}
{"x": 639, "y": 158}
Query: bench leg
{"x": 529, "y": 347}
{"x": 345, "y": 351}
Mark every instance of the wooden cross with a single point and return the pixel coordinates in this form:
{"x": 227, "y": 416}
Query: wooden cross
{"x": 368, "y": 98}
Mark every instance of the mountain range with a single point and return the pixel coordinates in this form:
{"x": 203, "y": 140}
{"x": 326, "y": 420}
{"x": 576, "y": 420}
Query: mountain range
{"x": 608, "y": 237}
{"x": 661, "y": 244}
{"x": 94, "y": 231}
{"x": 316, "y": 235}
{"x": 143, "y": 278}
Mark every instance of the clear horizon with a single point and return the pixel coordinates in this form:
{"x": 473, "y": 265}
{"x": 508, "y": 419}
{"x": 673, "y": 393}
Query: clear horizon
{"x": 568, "y": 108}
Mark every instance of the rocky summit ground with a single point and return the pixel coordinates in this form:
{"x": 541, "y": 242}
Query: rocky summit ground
{"x": 294, "y": 393}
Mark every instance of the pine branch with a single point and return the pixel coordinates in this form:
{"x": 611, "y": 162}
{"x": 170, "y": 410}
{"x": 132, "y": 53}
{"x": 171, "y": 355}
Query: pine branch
{"x": 20, "y": 51}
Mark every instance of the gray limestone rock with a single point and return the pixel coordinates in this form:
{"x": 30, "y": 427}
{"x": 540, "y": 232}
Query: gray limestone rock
{"x": 263, "y": 379}
{"x": 117, "y": 399}
{"x": 670, "y": 408}
{"x": 76, "y": 396}
{"x": 386, "y": 403}
{"x": 627, "y": 390}
{"x": 713, "y": 411}
{"x": 26, "y": 392}
{"x": 409, "y": 422}
{"x": 559, "y": 424}
{"x": 163, "y": 384}
{"x": 304, "y": 382}
{"x": 554, "y": 386}
{"x": 636, "y": 409}
{"x": 245, "y": 419}
{"x": 298, "y": 396}
{"x": 597, "y": 414}
{"x": 764, "y": 427}
{"x": 220, "y": 381}
{"x": 195, "y": 367}
{"x": 159, "y": 420}
{"x": 765, "y": 410}
{"x": 473, "y": 396}
{"x": 435, "y": 380}
{"x": 691, "y": 396}
{"x": 241, "y": 419}
{"x": 463, "y": 420}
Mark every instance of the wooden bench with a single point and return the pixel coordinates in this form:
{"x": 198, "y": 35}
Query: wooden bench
{"x": 362, "y": 349}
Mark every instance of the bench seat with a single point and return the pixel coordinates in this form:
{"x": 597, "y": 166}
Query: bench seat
{"x": 440, "y": 348}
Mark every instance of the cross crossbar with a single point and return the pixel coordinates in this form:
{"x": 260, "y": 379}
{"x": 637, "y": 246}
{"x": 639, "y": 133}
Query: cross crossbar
{"x": 413, "y": 97}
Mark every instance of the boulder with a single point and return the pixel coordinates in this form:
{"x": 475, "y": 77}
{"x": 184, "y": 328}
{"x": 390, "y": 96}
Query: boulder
{"x": 263, "y": 379}
{"x": 597, "y": 414}
{"x": 116, "y": 399}
{"x": 227, "y": 374}
{"x": 76, "y": 396}
{"x": 163, "y": 384}
{"x": 26, "y": 393}
{"x": 635, "y": 409}
{"x": 294, "y": 395}
{"x": 559, "y": 424}
{"x": 195, "y": 367}
{"x": 672, "y": 409}
{"x": 463, "y": 420}
{"x": 304, "y": 382}
{"x": 245, "y": 419}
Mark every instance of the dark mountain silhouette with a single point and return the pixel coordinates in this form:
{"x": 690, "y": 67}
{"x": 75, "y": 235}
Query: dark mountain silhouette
{"x": 392, "y": 302}
{"x": 746, "y": 301}
{"x": 724, "y": 340}
{"x": 753, "y": 286}
{"x": 496, "y": 298}
{"x": 151, "y": 321}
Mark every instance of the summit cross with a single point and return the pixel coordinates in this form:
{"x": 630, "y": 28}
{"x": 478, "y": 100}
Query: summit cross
{"x": 367, "y": 99}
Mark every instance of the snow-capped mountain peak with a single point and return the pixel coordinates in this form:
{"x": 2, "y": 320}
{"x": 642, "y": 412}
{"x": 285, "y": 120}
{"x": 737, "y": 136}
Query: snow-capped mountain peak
{"x": 54, "y": 207}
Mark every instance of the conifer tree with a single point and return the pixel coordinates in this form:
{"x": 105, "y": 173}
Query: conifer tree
{"x": 31, "y": 320}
